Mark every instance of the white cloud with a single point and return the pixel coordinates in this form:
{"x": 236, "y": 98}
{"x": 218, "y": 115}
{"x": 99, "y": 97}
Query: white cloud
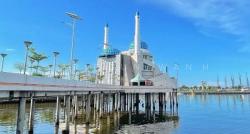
{"x": 226, "y": 16}
{"x": 9, "y": 49}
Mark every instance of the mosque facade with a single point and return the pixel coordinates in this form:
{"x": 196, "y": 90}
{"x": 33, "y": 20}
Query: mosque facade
{"x": 133, "y": 67}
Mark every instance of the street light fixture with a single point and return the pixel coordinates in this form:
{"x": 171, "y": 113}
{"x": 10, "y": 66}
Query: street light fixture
{"x": 27, "y": 44}
{"x": 55, "y": 56}
{"x": 74, "y": 18}
{"x": 3, "y": 56}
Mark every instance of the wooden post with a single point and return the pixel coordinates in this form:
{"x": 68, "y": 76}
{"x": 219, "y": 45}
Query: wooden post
{"x": 153, "y": 101}
{"x": 88, "y": 109}
{"x": 21, "y": 115}
{"x": 67, "y": 101}
{"x": 118, "y": 101}
{"x": 98, "y": 102}
{"x": 57, "y": 111}
{"x": 75, "y": 106}
{"x": 137, "y": 103}
{"x": 121, "y": 101}
{"x": 130, "y": 107}
{"x": 148, "y": 105}
{"x": 160, "y": 97}
{"x": 31, "y": 116}
{"x": 101, "y": 105}
{"x": 114, "y": 102}
{"x": 84, "y": 103}
{"x": 173, "y": 101}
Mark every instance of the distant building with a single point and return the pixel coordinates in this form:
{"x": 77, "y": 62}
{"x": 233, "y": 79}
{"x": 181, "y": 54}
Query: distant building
{"x": 134, "y": 67}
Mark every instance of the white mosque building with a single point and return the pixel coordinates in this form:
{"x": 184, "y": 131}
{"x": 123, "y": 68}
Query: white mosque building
{"x": 134, "y": 67}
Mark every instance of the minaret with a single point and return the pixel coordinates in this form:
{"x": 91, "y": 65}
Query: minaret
{"x": 137, "y": 44}
{"x": 106, "y": 30}
{"x": 137, "y": 40}
{"x": 137, "y": 51}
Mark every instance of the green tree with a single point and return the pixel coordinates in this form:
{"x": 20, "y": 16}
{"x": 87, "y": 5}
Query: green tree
{"x": 38, "y": 57}
{"x": 63, "y": 68}
{"x": 44, "y": 70}
{"x": 19, "y": 67}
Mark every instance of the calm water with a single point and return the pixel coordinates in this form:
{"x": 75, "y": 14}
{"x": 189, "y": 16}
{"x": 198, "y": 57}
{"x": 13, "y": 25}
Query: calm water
{"x": 201, "y": 114}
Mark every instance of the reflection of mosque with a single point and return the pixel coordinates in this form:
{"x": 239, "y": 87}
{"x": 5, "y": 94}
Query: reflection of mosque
{"x": 111, "y": 120}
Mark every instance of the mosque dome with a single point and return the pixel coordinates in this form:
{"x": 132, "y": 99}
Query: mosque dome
{"x": 110, "y": 51}
{"x": 144, "y": 45}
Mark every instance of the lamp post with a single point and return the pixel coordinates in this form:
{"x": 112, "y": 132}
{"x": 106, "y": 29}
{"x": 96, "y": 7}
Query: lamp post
{"x": 55, "y": 56}
{"x": 75, "y": 62}
{"x": 50, "y": 66}
{"x": 3, "y": 56}
{"x": 74, "y": 18}
{"x": 27, "y": 45}
{"x": 87, "y": 71}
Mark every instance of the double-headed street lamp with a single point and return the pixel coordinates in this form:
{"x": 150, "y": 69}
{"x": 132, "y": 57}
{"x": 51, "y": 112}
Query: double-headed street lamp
{"x": 74, "y": 18}
{"x": 55, "y": 56}
{"x": 3, "y": 56}
{"x": 27, "y": 45}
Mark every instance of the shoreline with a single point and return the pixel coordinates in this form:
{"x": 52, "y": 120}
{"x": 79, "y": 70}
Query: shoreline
{"x": 213, "y": 92}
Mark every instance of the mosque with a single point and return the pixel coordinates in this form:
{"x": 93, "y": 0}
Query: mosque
{"x": 134, "y": 67}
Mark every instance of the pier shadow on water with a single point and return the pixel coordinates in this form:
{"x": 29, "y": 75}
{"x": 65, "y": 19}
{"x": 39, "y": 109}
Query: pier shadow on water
{"x": 120, "y": 123}
{"x": 133, "y": 117}
{"x": 146, "y": 112}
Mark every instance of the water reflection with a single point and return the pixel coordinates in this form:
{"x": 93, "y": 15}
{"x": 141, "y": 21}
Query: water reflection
{"x": 217, "y": 114}
{"x": 113, "y": 122}
{"x": 220, "y": 112}
{"x": 135, "y": 113}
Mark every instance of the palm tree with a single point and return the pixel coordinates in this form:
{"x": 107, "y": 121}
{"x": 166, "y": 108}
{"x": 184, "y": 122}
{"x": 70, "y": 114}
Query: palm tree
{"x": 63, "y": 68}
{"x": 31, "y": 65}
{"x": 38, "y": 58}
{"x": 44, "y": 70}
{"x": 19, "y": 67}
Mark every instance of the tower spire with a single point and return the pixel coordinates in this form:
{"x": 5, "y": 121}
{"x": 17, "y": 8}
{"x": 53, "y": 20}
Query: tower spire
{"x": 106, "y": 30}
{"x": 137, "y": 52}
{"x": 137, "y": 40}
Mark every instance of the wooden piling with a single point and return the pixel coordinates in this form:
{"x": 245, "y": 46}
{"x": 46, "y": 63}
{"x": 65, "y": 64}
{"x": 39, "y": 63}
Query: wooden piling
{"x": 31, "y": 116}
{"x": 57, "y": 111}
{"x": 67, "y": 101}
{"x": 21, "y": 115}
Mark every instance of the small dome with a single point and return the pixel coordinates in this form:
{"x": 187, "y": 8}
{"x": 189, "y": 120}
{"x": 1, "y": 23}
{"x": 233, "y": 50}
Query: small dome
{"x": 144, "y": 45}
{"x": 110, "y": 51}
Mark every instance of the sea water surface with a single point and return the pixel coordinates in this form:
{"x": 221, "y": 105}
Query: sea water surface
{"x": 199, "y": 114}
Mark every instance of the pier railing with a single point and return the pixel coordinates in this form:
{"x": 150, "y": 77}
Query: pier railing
{"x": 11, "y": 85}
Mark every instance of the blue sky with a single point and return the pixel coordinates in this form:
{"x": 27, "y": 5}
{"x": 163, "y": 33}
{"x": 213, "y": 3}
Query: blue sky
{"x": 205, "y": 38}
